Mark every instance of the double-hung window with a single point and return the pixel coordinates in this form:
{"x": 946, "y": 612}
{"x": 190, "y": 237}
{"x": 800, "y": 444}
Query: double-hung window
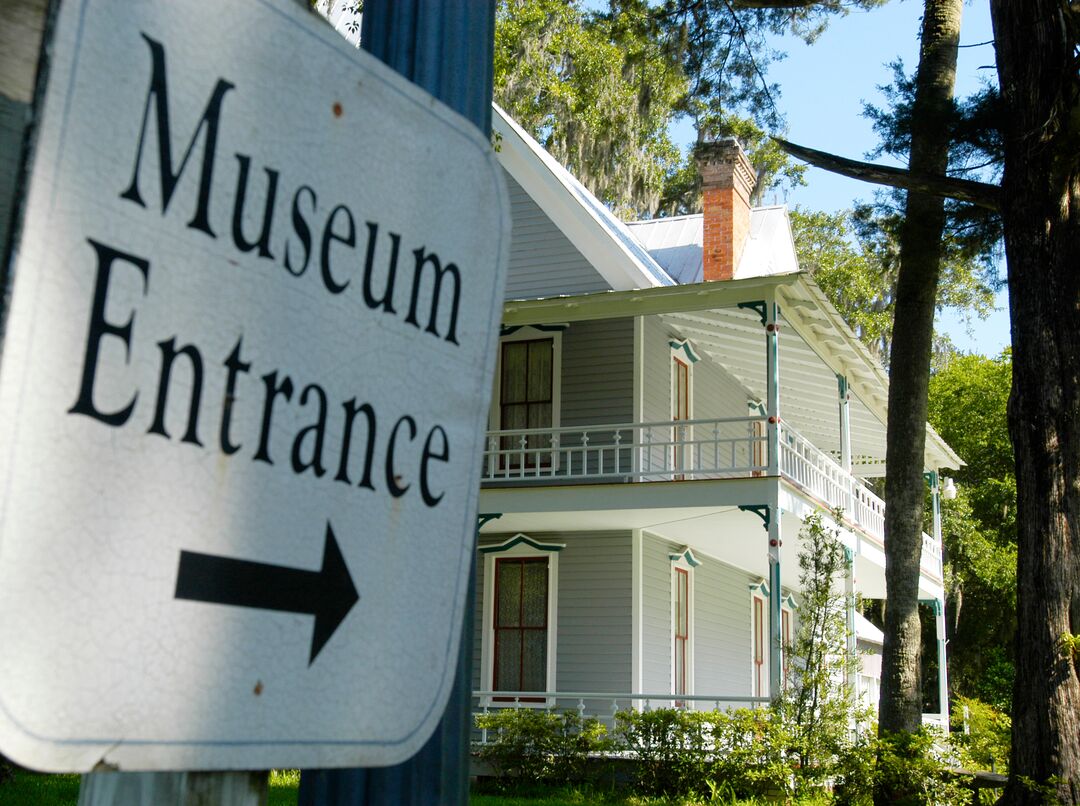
{"x": 520, "y": 624}
{"x": 683, "y": 564}
{"x": 526, "y": 395}
{"x": 519, "y": 616}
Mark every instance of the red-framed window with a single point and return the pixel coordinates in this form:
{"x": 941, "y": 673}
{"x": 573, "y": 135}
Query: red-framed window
{"x": 682, "y": 628}
{"x": 680, "y": 412}
{"x": 521, "y": 624}
{"x": 786, "y": 632}
{"x": 760, "y": 642}
{"x": 526, "y": 397}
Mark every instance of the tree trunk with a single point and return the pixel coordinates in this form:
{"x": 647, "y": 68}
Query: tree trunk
{"x": 1037, "y": 67}
{"x": 909, "y": 370}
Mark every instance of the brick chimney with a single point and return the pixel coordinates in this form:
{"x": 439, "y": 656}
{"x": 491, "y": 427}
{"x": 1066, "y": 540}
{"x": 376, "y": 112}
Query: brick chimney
{"x": 727, "y": 179}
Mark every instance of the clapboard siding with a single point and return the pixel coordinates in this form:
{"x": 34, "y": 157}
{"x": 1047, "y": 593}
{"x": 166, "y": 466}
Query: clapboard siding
{"x": 595, "y": 596}
{"x": 721, "y": 623}
{"x": 656, "y": 615}
{"x": 594, "y": 610}
{"x": 543, "y": 262}
{"x": 716, "y": 393}
{"x": 720, "y": 619}
{"x": 598, "y": 372}
{"x": 598, "y": 388}
{"x": 656, "y": 384}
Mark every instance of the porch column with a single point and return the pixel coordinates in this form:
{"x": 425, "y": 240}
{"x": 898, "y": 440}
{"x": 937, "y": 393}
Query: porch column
{"x": 776, "y": 638}
{"x": 845, "y": 444}
{"x": 772, "y": 383}
{"x": 845, "y": 424}
{"x": 943, "y": 671}
{"x": 849, "y": 607}
{"x": 772, "y": 409}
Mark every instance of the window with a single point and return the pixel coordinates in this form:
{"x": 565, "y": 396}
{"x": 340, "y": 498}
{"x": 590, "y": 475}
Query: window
{"x": 761, "y": 636}
{"x": 760, "y": 642}
{"x": 682, "y": 628}
{"x": 526, "y": 396}
{"x": 519, "y": 612}
{"x": 682, "y": 622}
{"x": 521, "y": 590}
{"x": 683, "y": 358}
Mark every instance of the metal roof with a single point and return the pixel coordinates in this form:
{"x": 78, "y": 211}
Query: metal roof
{"x": 816, "y": 345}
{"x": 591, "y": 227}
{"x": 676, "y": 244}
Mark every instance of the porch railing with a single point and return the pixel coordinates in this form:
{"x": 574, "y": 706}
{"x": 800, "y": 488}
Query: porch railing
{"x": 700, "y": 449}
{"x": 734, "y": 447}
{"x": 823, "y": 477}
{"x": 602, "y": 706}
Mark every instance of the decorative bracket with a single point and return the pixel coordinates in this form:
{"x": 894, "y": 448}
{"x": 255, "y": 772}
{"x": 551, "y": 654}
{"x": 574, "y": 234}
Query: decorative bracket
{"x": 759, "y": 307}
{"x": 509, "y": 330}
{"x": 483, "y": 518}
{"x": 761, "y": 510}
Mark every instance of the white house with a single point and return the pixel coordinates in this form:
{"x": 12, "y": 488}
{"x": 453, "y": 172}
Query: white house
{"x": 671, "y": 399}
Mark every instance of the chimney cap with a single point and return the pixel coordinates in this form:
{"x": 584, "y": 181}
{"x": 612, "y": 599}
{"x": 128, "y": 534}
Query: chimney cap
{"x": 723, "y": 163}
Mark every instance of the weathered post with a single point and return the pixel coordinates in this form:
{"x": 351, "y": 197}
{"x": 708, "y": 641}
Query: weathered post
{"x": 446, "y": 47}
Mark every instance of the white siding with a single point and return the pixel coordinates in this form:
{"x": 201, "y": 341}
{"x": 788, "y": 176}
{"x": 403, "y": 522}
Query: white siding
{"x": 656, "y": 615}
{"x": 594, "y": 610}
{"x": 720, "y": 621}
{"x": 716, "y": 393}
{"x": 598, "y": 372}
{"x": 721, "y": 629}
{"x": 543, "y": 262}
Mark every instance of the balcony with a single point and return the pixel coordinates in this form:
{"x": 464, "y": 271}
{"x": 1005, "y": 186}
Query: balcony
{"x": 689, "y": 449}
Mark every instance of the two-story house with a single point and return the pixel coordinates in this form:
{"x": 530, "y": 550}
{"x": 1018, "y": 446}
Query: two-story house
{"x": 671, "y": 399}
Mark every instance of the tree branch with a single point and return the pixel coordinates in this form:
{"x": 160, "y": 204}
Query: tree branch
{"x": 775, "y": 3}
{"x": 981, "y": 194}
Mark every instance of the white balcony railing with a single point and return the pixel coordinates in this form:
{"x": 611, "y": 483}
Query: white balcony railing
{"x": 689, "y": 449}
{"x": 700, "y": 449}
{"x": 603, "y": 706}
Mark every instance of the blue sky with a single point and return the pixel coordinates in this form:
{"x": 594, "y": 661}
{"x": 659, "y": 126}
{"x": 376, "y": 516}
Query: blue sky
{"x": 822, "y": 89}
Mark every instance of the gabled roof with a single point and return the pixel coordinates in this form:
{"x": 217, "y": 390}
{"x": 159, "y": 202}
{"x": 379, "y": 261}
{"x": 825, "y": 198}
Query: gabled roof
{"x": 676, "y": 244}
{"x": 604, "y": 240}
{"x": 655, "y": 267}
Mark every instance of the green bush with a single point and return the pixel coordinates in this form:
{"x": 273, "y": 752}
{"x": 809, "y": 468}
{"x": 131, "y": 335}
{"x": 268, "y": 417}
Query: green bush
{"x": 988, "y": 740}
{"x": 910, "y": 769}
{"x": 740, "y": 754}
{"x": 527, "y": 745}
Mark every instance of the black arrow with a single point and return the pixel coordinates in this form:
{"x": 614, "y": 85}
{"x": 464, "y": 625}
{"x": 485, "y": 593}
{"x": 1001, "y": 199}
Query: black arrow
{"x": 327, "y": 594}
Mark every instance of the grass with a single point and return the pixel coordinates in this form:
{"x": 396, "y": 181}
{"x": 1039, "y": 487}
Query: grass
{"x": 38, "y": 789}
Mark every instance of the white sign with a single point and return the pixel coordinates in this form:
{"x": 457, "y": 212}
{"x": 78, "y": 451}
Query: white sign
{"x": 245, "y": 371}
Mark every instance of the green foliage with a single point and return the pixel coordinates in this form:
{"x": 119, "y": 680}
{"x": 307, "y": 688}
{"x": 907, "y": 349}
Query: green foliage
{"x": 855, "y": 257}
{"x": 533, "y": 746}
{"x": 908, "y": 770}
{"x": 598, "y": 92}
{"x": 848, "y": 272}
{"x": 968, "y": 397}
{"x": 981, "y": 734}
{"x": 737, "y": 754}
{"x": 818, "y": 704}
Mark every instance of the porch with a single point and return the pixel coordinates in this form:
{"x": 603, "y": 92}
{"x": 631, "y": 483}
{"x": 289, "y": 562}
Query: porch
{"x": 724, "y": 448}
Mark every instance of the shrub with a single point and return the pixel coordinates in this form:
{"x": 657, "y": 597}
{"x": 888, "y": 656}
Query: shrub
{"x": 538, "y": 747}
{"x": 909, "y": 770}
{"x": 988, "y": 739}
{"x": 739, "y": 753}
